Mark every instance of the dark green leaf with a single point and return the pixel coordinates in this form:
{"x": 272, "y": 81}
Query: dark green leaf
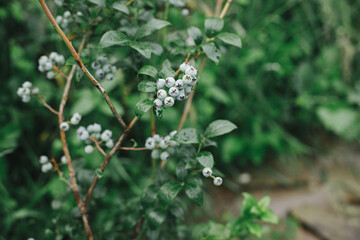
{"x": 195, "y": 34}
{"x": 149, "y": 71}
{"x": 147, "y": 86}
{"x": 194, "y": 192}
{"x": 155, "y": 48}
{"x": 187, "y": 136}
{"x": 131, "y": 220}
{"x": 149, "y": 195}
{"x": 150, "y": 27}
{"x": 142, "y": 48}
{"x": 156, "y": 217}
{"x": 112, "y": 38}
{"x": 176, "y": 210}
{"x": 98, "y": 2}
{"x": 169, "y": 191}
{"x": 142, "y": 107}
{"x": 206, "y": 159}
{"x": 181, "y": 171}
{"x": 121, "y": 7}
{"x": 212, "y": 52}
{"x": 230, "y": 38}
{"x": 219, "y": 127}
{"x": 213, "y": 25}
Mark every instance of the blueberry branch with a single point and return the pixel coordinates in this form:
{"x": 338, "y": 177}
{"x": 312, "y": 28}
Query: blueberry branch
{"x": 98, "y": 146}
{"x": 81, "y": 64}
{"x": 59, "y": 71}
{"x": 47, "y": 105}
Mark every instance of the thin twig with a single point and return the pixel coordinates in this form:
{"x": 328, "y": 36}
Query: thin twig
{"x": 81, "y": 64}
{"x": 47, "y": 105}
{"x": 226, "y": 7}
{"x": 56, "y": 166}
{"x": 98, "y": 146}
{"x": 129, "y": 2}
{"x": 59, "y": 71}
{"x": 133, "y": 149}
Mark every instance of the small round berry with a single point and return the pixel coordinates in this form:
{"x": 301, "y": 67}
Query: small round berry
{"x": 20, "y": 91}
{"x": 113, "y": 69}
{"x": 160, "y": 83}
{"x": 158, "y": 102}
{"x": 60, "y": 60}
{"x": 161, "y": 94}
{"x": 188, "y": 89}
{"x": 164, "y": 156}
{"x": 48, "y": 66}
{"x": 174, "y": 91}
{"x": 41, "y": 68}
{"x": 187, "y": 79}
{"x": 35, "y": 90}
{"x": 65, "y": 23}
{"x": 191, "y": 71}
{"x": 43, "y": 60}
{"x": 193, "y": 81}
{"x": 172, "y": 133}
{"x": 107, "y": 68}
{"x": 44, "y": 159}
{"x": 155, "y": 154}
{"x": 89, "y": 149}
{"x": 95, "y": 65}
{"x": 185, "y": 12}
{"x": 64, "y": 126}
{"x": 169, "y": 101}
{"x": 79, "y": 13}
{"x": 97, "y": 128}
{"x": 169, "y": 82}
{"x": 244, "y": 178}
{"x": 109, "y": 144}
{"x": 150, "y": 143}
{"x": 167, "y": 138}
{"x": 27, "y": 84}
{"x": 53, "y": 56}
{"x": 46, "y": 167}
{"x": 179, "y": 84}
{"x": 218, "y": 181}
{"x": 171, "y": 150}
{"x": 100, "y": 74}
{"x": 83, "y": 135}
{"x": 207, "y": 172}
{"x": 25, "y": 98}
{"x": 183, "y": 66}
{"x": 58, "y": 19}
{"x": 50, "y": 75}
{"x": 157, "y": 138}
{"x": 75, "y": 119}
{"x": 63, "y": 160}
{"x": 109, "y": 76}
{"x": 103, "y": 60}
{"x": 67, "y": 14}
{"x": 106, "y": 135}
{"x": 181, "y": 95}
{"x": 164, "y": 144}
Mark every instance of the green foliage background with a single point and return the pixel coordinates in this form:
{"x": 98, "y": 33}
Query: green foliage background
{"x": 296, "y": 77}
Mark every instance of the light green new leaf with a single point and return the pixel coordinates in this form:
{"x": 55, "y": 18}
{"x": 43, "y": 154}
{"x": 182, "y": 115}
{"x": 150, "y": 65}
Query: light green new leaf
{"x": 149, "y": 71}
{"x": 205, "y": 158}
{"x": 219, "y": 127}
{"x": 142, "y": 48}
{"x": 142, "y": 107}
{"x": 112, "y": 38}
{"x": 213, "y": 25}
{"x": 230, "y": 38}
{"x": 121, "y": 7}
{"x": 187, "y": 136}
{"x": 195, "y": 34}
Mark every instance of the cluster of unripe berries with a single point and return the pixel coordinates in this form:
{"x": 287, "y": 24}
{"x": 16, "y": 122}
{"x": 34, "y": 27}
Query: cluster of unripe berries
{"x": 75, "y": 119}
{"x": 169, "y": 89}
{"x": 207, "y": 172}
{"x": 162, "y": 147}
{"x": 46, "y": 63}
{"x": 46, "y": 166}
{"x": 64, "y": 21}
{"x": 103, "y": 69}
{"x": 26, "y": 90}
{"x": 94, "y": 131}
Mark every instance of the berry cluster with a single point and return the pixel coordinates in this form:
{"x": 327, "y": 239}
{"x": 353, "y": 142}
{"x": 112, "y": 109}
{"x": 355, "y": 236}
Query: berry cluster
{"x": 169, "y": 89}
{"x": 26, "y": 90}
{"x": 46, "y": 166}
{"x": 207, "y": 172}
{"x": 103, "y": 69}
{"x": 46, "y": 63}
{"x": 94, "y": 131}
{"x": 64, "y": 20}
{"x": 162, "y": 147}
{"x": 75, "y": 119}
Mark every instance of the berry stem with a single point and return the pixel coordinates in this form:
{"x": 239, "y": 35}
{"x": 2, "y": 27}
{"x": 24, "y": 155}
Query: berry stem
{"x": 226, "y": 7}
{"x": 200, "y": 144}
{"x": 47, "y": 105}
{"x": 59, "y": 71}
{"x": 133, "y": 148}
{"x": 98, "y": 146}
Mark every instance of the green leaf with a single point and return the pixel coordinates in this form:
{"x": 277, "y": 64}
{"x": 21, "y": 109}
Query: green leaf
{"x": 112, "y": 38}
{"x": 149, "y": 71}
{"x": 205, "y": 158}
{"x": 194, "y": 192}
{"x": 219, "y": 127}
{"x": 150, "y": 27}
{"x": 147, "y": 86}
{"x": 230, "y": 38}
{"x": 213, "y": 25}
{"x": 98, "y": 2}
{"x": 195, "y": 34}
{"x": 212, "y": 52}
{"x": 71, "y": 61}
{"x": 168, "y": 192}
{"x": 166, "y": 69}
{"x": 149, "y": 195}
{"x": 156, "y": 217}
{"x": 142, "y": 48}
{"x": 248, "y": 202}
{"x": 254, "y": 228}
{"x": 270, "y": 217}
{"x": 264, "y": 202}
{"x": 187, "y": 136}
{"x": 142, "y": 107}
{"x": 181, "y": 171}
{"x": 131, "y": 220}
{"x": 121, "y": 7}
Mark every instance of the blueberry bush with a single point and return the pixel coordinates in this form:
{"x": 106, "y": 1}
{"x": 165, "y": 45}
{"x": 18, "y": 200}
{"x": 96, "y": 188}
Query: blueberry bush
{"x": 130, "y": 68}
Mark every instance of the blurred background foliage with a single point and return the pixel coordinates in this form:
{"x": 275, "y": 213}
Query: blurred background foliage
{"x": 294, "y": 83}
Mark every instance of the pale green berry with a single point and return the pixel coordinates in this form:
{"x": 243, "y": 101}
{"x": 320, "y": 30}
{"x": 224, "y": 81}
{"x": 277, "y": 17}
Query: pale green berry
{"x": 207, "y": 172}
